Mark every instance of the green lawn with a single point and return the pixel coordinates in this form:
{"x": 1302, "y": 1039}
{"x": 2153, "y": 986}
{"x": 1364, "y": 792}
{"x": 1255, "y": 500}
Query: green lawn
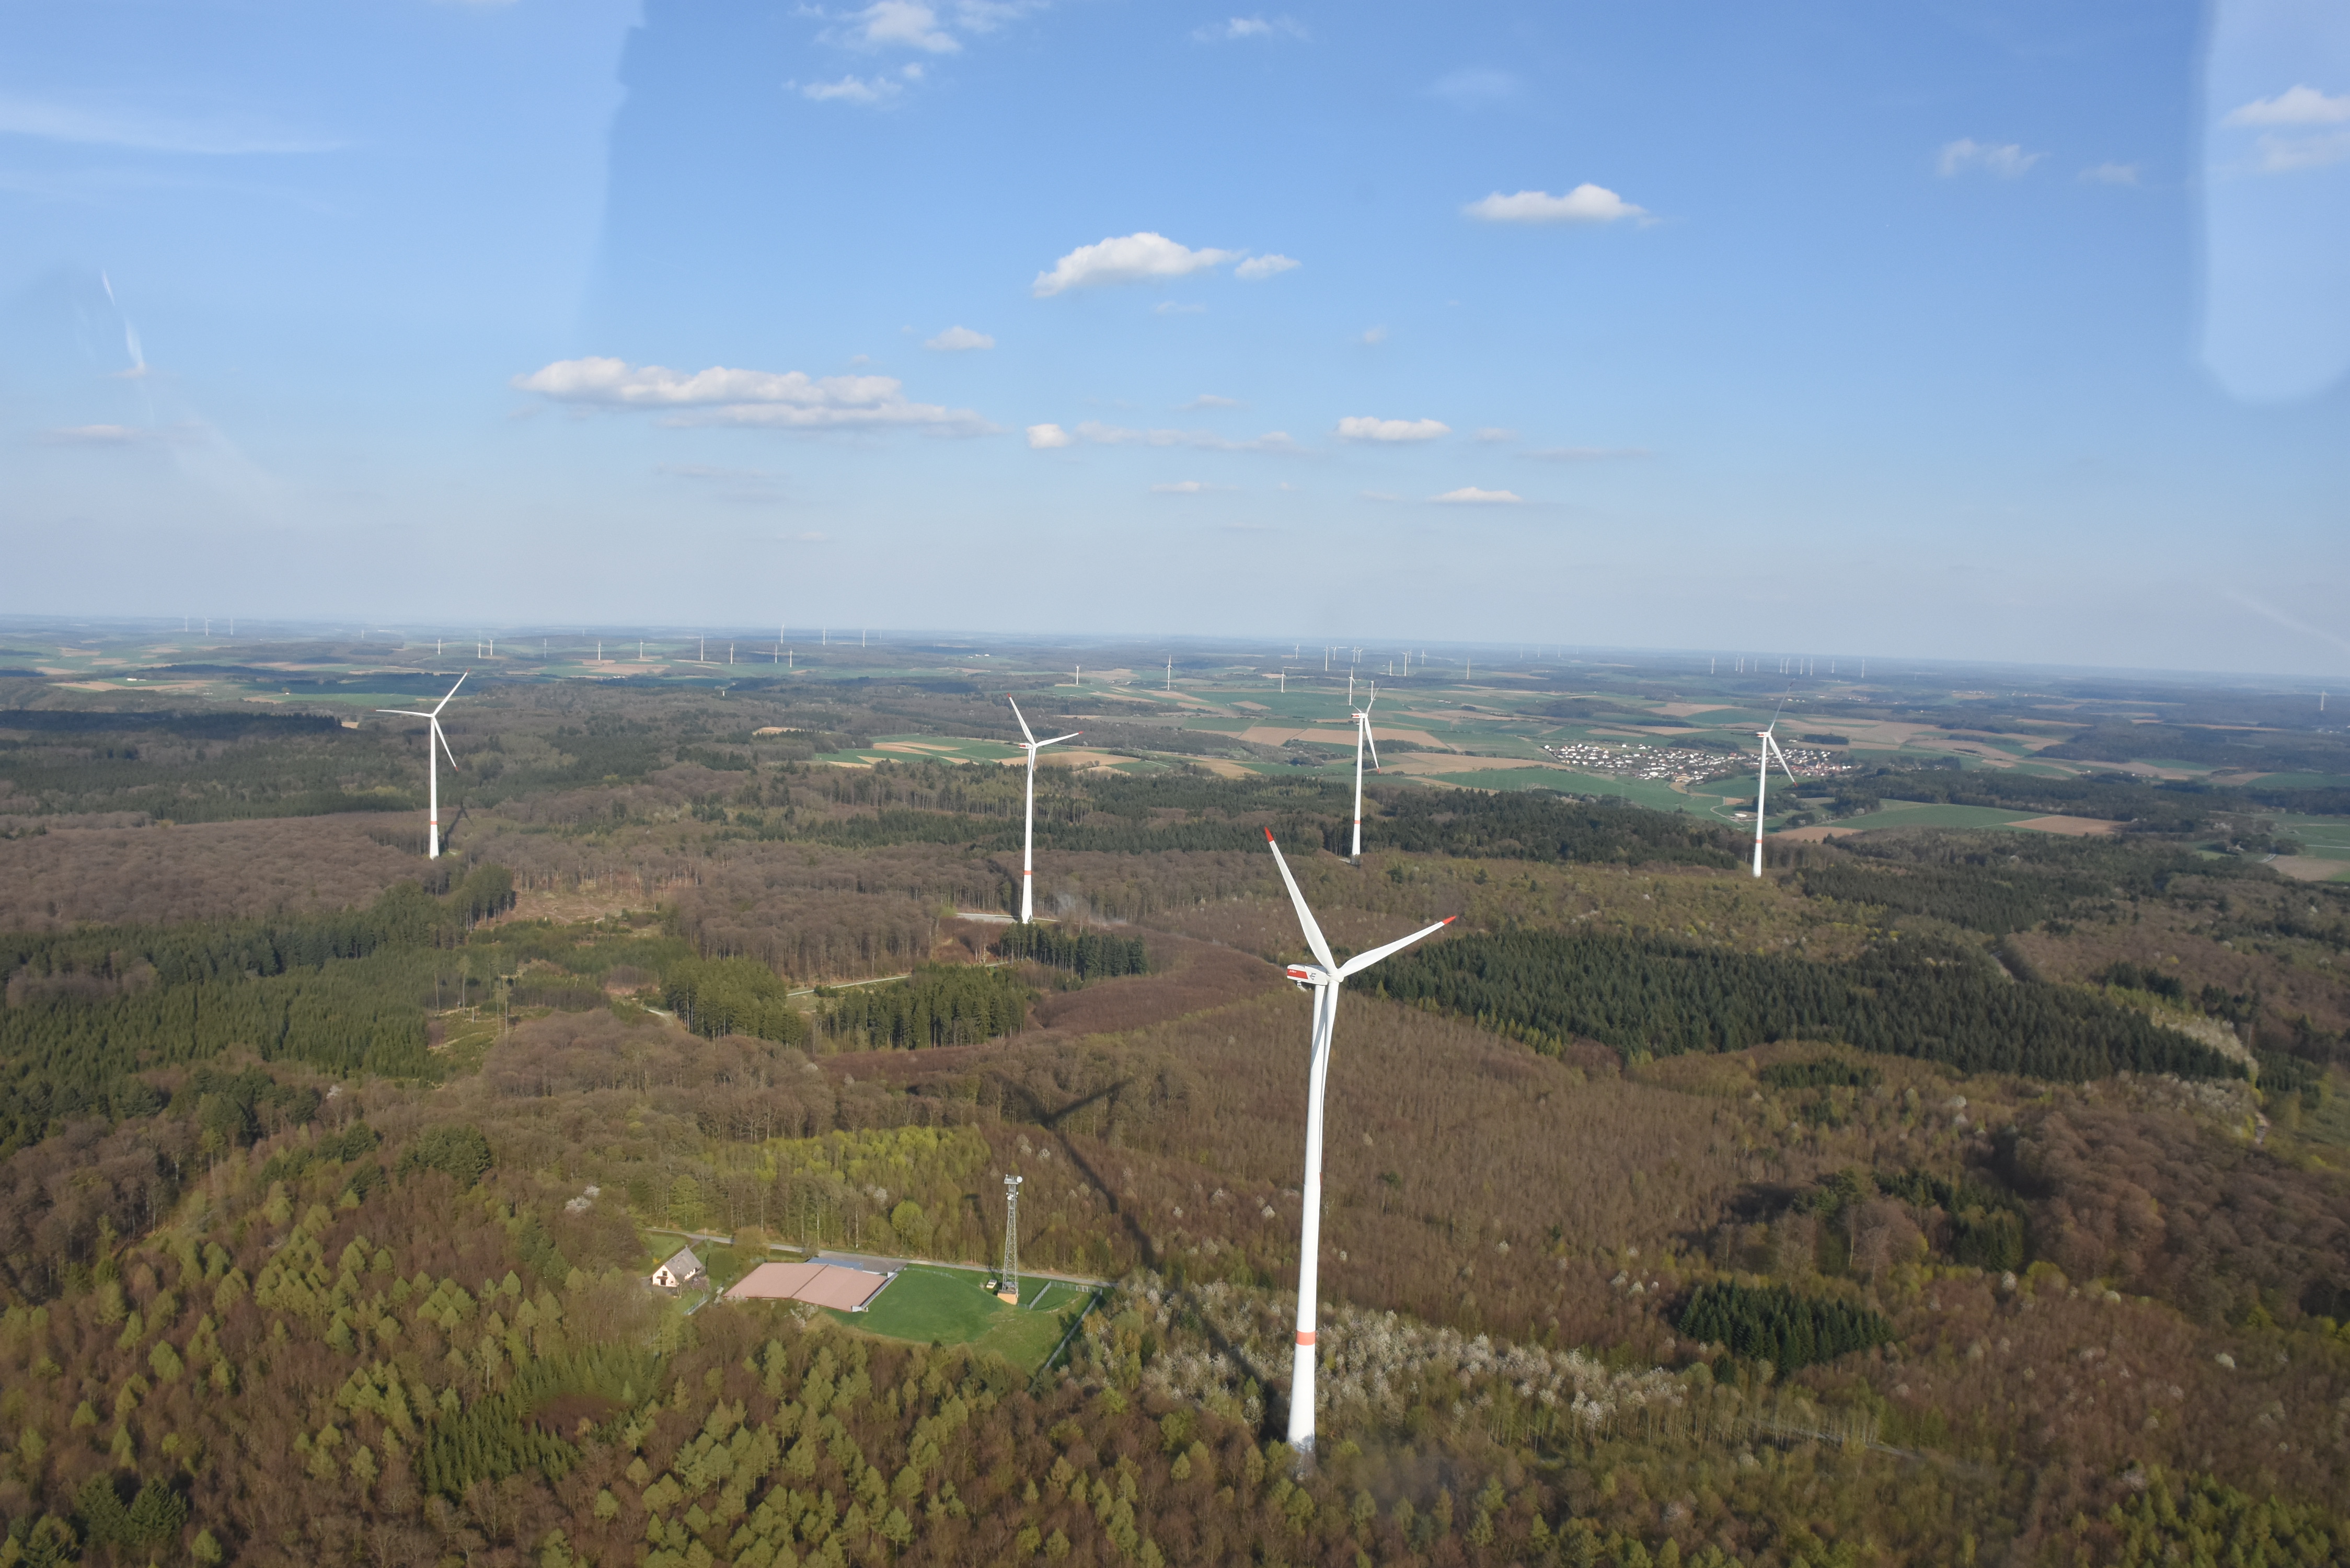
{"x": 952, "y": 1307}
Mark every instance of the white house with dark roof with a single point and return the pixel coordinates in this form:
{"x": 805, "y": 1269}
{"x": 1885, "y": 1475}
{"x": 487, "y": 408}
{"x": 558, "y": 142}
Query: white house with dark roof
{"x": 682, "y": 1272}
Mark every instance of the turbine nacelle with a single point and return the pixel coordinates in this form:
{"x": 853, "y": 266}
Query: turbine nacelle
{"x": 1308, "y": 975}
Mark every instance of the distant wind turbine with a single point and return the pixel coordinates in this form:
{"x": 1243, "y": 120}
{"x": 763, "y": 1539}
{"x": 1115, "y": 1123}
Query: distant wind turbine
{"x": 432, "y": 767}
{"x": 1770, "y": 749}
{"x": 1363, "y": 740}
{"x": 1028, "y": 833}
{"x": 1322, "y": 978}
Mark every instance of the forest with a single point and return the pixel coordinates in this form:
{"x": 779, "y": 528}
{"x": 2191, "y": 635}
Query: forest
{"x": 1941, "y": 1197}
{"x": 1941, "y": 1001}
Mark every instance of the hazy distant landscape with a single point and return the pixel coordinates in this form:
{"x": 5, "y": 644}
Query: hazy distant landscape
{"x": 1968, "y": 1187}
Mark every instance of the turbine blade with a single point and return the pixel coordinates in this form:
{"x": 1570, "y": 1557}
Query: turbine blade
{"x": 1304, "y": 916}
{"x": 404, "y": 713}
{"x": 1361, "y": 961}
{"x": 1782, "y": 755}
{"x": 1058, "y": 739}
{"x": 444, "y": 744}
{"x": 452, "y": 692}
{"x": 1023, "y": 722}
{"x": 1371, "y": 739}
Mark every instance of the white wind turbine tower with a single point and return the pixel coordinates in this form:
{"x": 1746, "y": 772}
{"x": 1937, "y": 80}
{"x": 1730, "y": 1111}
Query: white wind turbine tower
{"x": 1322, "y": 978}
{"x": 1028, "y": 834}
{"x": 1363, "y": 739}
{"x": 432, "y": 767}
{"x": 1770, "y": 749}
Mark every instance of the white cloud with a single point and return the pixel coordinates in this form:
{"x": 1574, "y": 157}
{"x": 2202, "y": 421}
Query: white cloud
{"x": 1469, "y": 495}
{"x": 96, "y": 435}
{"x": 791, "y": 400}
{"x": 2297, "y": 105}
{"x": 745, "y": 486}
{"x": 1586, "y": 204}
{"x": 959, "y": 339}
{"x": 986, "y": 16}
{"x": 706, "y": 472}
{"x": 1210, "y": 400}
{"x": 2006, "y": 160}
{"x": 1134, "y": 258}
{"x": 1239, "y": 27}
{"x": 1257, "y": 267}
{"x": 1497, "y": 433}
{"x": 900, "y": 24}
{"x": 1094, "y": 434}
{"x": 850, "y": 89}
{"x": 1178, "y": 307}
{"x": 141, "y": 132}
{"x": 1364, "y": 427}
{"x": 1187, "y": 487}
{"x": 1584, "y": 454}
{"x": 2284, "y": 154}
{"x": 1474, "y": 87}
{"x": 1374, "y": 337}
{"x": 2110, "y": 174}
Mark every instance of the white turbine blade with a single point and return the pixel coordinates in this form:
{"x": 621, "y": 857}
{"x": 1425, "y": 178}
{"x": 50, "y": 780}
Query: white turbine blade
{"x": 452, "y": 692}
{"x": 404, "y": 713}
{"x": 1361, "y": 961}
{"x": 1304, "y": 916}
{"x": 1058, "y": 739}
{"x": 1774, "y": 750}
{"x": 1371, "y": 740}
{"x": 1023, "y": 722}
{"x": 444, "y": 745}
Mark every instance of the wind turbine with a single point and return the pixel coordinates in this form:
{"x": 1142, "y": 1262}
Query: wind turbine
{"x": 1322, "y": 978}
{"x": 1770, "y": 749}
{"x": 1362, "y": 739}
{"x": 432, "y": 767}
{"x": 1028, "y": 834}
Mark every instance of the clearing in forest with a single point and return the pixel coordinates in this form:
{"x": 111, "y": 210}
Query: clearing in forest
{"x": 932, "y": 1305}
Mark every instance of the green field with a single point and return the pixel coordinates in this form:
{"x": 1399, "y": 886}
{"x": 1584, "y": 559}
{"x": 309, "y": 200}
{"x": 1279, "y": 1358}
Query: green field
{"x": 2320, "y": 837}
{"x": 931, "y": 1305}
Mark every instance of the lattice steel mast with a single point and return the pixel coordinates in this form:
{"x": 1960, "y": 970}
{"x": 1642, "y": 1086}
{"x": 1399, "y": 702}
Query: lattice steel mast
{"x": 1008, "y": 1277}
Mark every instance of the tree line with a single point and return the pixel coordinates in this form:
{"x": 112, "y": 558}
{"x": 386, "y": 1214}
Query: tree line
{"x": 1773, "y": 1323}
{"x": 1902, "y": 997}
{"x": 1089, "y": 954}
{"x": 716, "y": 997}
{"x": 940, "y": 1004}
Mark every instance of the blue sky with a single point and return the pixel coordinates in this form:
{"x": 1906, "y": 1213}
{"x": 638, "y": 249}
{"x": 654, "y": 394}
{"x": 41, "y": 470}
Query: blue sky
{"x": 2000, "y": 332}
